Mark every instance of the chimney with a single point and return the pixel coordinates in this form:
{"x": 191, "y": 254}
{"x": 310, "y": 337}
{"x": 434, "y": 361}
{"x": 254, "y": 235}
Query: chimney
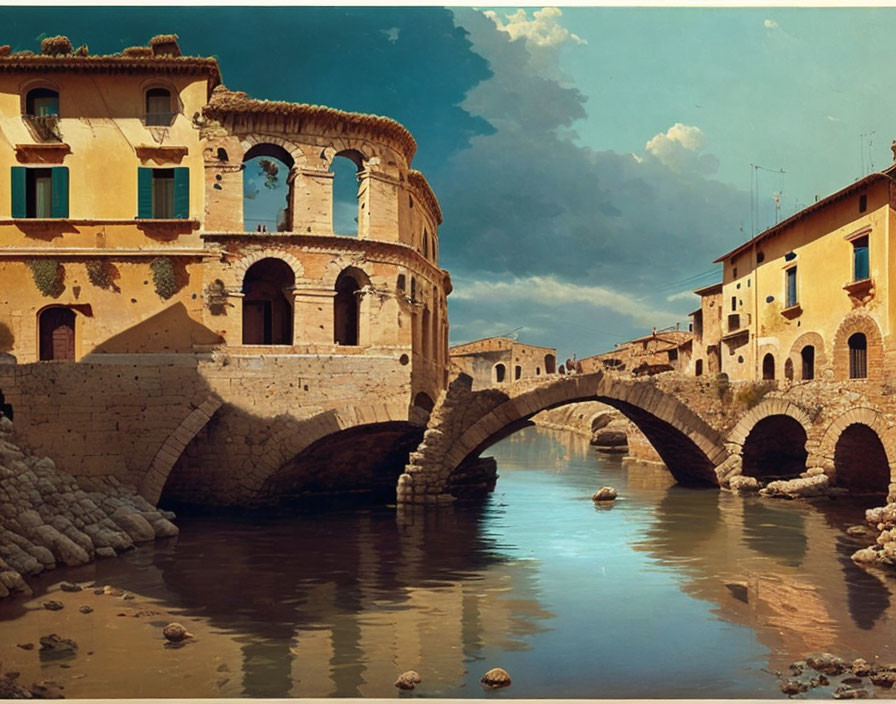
{"x": 165, "y": 45}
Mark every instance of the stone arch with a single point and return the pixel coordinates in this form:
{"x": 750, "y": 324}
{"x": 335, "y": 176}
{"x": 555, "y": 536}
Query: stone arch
{"x": 57, "y": 333}
{"x": 807, "y": 339}
{"x": 777, "y": 424}
{"x": 690, "y": 448}
{"x": 173, "y": 446}
{"x": 361, "y": 265}
{"x": 252, "y": 140}
{"x": 272, "y": 159}
{"x": 347, "y": 307}
{"x": 870, "y": 418}
{"x": 867, "y": 325}
{"x": 236, "y": 272}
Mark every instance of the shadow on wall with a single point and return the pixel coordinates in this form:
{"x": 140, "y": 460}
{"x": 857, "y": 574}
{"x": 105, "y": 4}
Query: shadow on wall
{"x": 170, "y": 331}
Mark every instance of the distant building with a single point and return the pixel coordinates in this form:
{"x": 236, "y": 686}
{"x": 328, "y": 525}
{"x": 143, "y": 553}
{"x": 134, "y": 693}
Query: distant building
{"x": 661, "y": 351}
{"x": 707, "y": 328}
{"x": 501, "y": 361}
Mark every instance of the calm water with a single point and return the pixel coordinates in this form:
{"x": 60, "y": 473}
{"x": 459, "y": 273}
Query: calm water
{"x": 672, "y": 592}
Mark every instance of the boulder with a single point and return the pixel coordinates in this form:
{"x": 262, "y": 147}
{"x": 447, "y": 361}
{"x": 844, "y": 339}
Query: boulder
{"x": 741, "y": 484}
{"x": 804, "y": 487}
{"x": 53, "y": 644}
{"x": 827, "y": 663}
{"x": 605, "y": 493}
{"x": 496, "y": 678}
{"x": 175, "y": 633}
{"x": 408, "y": 680}
{"x": 135, "y": 525}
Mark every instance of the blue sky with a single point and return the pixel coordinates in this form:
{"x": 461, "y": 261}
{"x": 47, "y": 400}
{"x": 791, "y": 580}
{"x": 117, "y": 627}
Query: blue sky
{"x": 590, "y": 162}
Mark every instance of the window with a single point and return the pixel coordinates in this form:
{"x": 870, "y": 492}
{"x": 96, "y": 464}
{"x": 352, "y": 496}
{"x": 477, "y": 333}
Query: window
{"x": 698, "y": 368}
{"x": 790, "y": 298}
{"x": 39, "y": 193}
{"x": 858, "y": 356}
{"x": 768, "y": 366}
{"x": 808, "y": 356}
{"x": 517, "y": 371}
{"x": 42, "y": 102}
{"x": 400, "y": 282}
{"x": 163, "y": 194}
{"x": 499, "y": 373}
{"x": 860, "y": 258}
{"x": 734, "y": 303}
{"x": 863, "y": 203}
{"x": 158, "y": 107}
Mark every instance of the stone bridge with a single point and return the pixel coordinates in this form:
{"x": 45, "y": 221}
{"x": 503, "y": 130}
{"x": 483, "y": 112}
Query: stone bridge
{"x": 239, "y": 428}
{"x": 705, "y": 430}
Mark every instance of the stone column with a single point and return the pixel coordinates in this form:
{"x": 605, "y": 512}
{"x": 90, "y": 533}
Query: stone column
{"x": 233, "y": 321}
{"x": 223, "y": 197}
{"x": 313, "y": 314}
{"x": 378, "y": 206}
{"x": 311, "y": 202}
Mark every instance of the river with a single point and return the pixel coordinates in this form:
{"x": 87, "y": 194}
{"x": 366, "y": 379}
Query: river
{"x": 670, "y": 592}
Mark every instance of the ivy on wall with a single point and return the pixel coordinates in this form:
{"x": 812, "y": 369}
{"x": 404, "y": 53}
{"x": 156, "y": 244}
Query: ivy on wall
{"x": 102, "y": 273}
{"x": 163, "y": 277}
{"x": 48, "y": 276}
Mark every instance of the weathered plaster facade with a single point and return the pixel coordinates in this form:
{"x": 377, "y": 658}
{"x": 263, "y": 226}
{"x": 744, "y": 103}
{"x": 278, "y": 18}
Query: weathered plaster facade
{"x": 499, "y": 362}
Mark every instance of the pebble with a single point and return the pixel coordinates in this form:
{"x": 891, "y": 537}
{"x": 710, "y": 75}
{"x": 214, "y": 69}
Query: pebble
{"x": 850, "y": 693}
{"x": 408, "y": 680}
{"x": 883, "y": 679}
{"x": 605, "y": 493}
{"x": 495, "y": 678}
{"x": 86, "y": 609}
{"x": 25, "y": 646}
{"x": 52, "y": 605}
{"x": 54, "y": 644}
{"x": 69, "y": 587}
{"x": 794, "y": 687}
{"x": 175, "y": 633}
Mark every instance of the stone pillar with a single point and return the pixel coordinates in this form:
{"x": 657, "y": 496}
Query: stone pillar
{"x": 313, "y": 314}
{"x": 223, "y": 196}
{"x": 311, "y": 201}
{"x": 378, "y": 206}
{"x": 233, "y": 321}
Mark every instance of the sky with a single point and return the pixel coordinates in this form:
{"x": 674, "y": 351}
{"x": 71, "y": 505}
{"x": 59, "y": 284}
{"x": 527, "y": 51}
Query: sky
{"x": 590, "y": 162}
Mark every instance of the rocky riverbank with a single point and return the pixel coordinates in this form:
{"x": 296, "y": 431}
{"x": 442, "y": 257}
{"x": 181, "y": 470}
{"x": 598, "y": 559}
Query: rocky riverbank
{"x": 48, "y": 518}
{"x": 883, "y": 552}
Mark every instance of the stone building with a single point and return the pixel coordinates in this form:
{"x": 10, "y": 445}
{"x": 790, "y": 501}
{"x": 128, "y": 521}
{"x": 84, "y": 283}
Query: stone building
{"x": 661, "y": 351}
{"x": 501, "y": 361}
{"x": 123, "y": 230}
{"x": 811, "y": 296}
{"x": 706, "y": 324}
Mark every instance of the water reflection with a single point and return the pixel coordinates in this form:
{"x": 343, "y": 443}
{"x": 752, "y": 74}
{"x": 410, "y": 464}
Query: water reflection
{"x": 779, "y": 533}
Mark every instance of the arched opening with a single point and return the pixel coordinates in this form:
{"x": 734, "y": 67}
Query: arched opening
{"x": 698, "y": 367}
{"x": 860, "y": 460}
{"x": 56, "y": 333}
{"x": 424, "y": 400}
{"x": 267, "y": 191}
{"x": 807, "y": 355}
{"x": 222, "y": 154}
{"x": 500, "y": 371}
{"x": 347, "y": 307}
{"x": 550, "y": 364}
{"x": 768, "y": 366}
{"x": 42, "y": 102}
{"x": 788, "y": 369}
{"x": 517, "y": 372}
{"x": 537, "y": 371}
{"x": 858, "y": 356}
{"x": 775, "y": 447}
{"x": 347, "y": 192}
{"x": 400, "y": 283}
{"x": 427, "y": 347}
{"x": 159, "y": 112}
{"x": 267, "y": 309}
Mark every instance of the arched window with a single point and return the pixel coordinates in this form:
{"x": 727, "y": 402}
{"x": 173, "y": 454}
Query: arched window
{"x": 57, "y": 333}
{"x": 413, "y": 289}
{"x": 858, "y": 356}
{"x": 788, "y": 369}
{"x": 347, "y": 307}
{"x": 537, "y": 371}
{"x": 550, "y": 364}
{"x": 500, "y": 371}
{"x": 347, "y": 203}
{"x": 427, "y": 351}
{"x": 808, "y": 356}
{"x": 768, "y": 366}
{"x": 424, "y": 400}
{"x": 698, "y": 367}
{"x": 517, "y": 372}
{"x": 159, "y": 112}
{"x": 425, "y": 244}
{"x": 267, "y": 311}
{"x": 267, "y": 192}
{"x": 42, "y": 102}
{"x": 400, "y": 283}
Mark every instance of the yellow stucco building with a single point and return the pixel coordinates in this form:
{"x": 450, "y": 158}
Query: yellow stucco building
{"x": 122, "y": 228}
{"x": 810, "y": 297}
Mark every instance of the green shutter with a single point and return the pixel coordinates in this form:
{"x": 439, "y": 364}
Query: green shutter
{"x": 18, "y": 192}
{"x": 59, "y": 190}
{"x": 144, "y": 192}
{"x": 182, "y": 192}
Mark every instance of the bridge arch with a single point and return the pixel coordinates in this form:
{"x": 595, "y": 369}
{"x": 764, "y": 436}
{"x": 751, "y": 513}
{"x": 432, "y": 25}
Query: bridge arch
{"x": 771, "y": 439}
{"x": 859, "y": 450}
{"x": 463, "y": 424}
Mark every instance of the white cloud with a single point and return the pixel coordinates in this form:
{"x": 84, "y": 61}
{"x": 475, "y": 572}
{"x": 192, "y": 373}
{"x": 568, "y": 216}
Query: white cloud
{"x": 771, "y": 24}
{"x": 682, "y": 296}
{"x": 679, "y": 148}
{"x": 548, "y": 291}
{"x": 543, "y": 30}
{"x": 831, "y": 118}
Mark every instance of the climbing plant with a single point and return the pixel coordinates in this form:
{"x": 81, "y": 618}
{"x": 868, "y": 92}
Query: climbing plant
{"x": 48, "y": 276}
{"x": 163, "y": 277}
{"x": 102, "y": 273}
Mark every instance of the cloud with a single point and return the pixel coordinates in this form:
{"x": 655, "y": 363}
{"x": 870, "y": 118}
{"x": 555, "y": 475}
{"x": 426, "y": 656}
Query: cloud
{"x": 771, "y": 24}
{"x": 680, "y": 148}
{"x": 682, "y": 296}
{"x": 392, "y": 33}
{"x": 550, "y": 291}
{"x": 543, "y": 30}
{"x": 831, "y": 118}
